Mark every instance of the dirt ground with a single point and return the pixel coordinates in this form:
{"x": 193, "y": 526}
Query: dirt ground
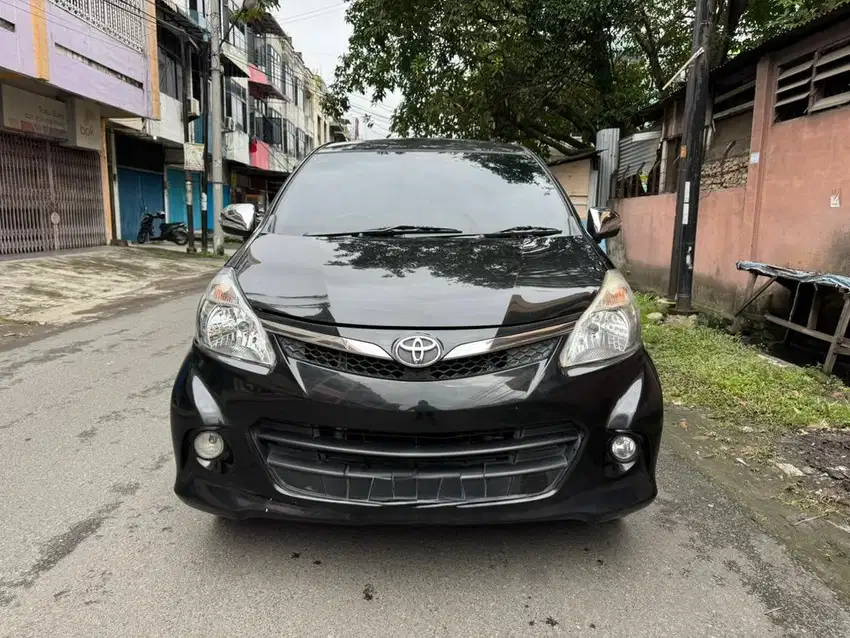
{"x": 44, "y": 293}
{"x": 824, "y": 458}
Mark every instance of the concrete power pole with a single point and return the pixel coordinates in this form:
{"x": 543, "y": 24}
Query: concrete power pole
{"x": 691, "y": 153}
{"x": 215, "y": 125}
{"x": 187, "y": 91}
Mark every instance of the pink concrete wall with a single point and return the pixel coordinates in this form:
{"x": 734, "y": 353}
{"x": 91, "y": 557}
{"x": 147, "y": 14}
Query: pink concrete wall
{"x": 792, "y": 211}
{"x": 804, "y": 162}
{"x": 648, "y": 229}
{"x": 722, "y": 241}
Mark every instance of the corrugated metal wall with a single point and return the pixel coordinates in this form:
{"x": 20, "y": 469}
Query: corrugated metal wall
{"x": 638, "y": 153}
{"x": 607, "y": 143}
{"x": 42, "y": 183}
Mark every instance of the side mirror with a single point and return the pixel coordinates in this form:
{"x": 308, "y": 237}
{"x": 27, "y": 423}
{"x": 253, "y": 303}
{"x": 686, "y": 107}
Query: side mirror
{"x": 239, "y": 219}
{"x": 603, "y": 223}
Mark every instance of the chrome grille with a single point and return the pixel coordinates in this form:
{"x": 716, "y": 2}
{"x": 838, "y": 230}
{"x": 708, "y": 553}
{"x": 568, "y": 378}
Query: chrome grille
{"x": 371, "y": 468}
{"x": 443, "y": 370}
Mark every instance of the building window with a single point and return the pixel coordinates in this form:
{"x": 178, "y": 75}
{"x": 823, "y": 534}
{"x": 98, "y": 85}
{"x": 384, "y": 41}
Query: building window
{"x": 308, "y": 106}
{"x": 734, "y": 95}
{"x": 236, "y": 106}
{"x": 170, "y": 75}
{"x": 286, "y": 78}
{"x": 274, "y": 128}
{"x": 237, "y": 35}
{"x": 274, "y": 68}
{"x": 290, "y": 139}
{"x": 814, "y": 82}
{"x": 296, "y": 89}
{"x": 831, "y": 81}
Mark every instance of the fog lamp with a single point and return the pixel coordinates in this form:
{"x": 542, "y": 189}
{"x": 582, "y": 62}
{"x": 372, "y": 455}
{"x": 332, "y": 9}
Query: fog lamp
{"x": 623, "y": 448}
{"x": 209, "y": 445}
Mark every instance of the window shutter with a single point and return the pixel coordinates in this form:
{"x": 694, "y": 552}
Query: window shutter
{"x": 793, "y": 88}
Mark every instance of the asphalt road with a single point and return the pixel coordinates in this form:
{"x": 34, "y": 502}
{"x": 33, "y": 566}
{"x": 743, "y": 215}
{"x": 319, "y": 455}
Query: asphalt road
{"x": 93, "y": 541}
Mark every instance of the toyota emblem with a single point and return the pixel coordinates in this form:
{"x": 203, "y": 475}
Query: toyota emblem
{"x": 417, "y": 351}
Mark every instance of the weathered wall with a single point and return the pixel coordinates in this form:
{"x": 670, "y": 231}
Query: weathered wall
{"x": 724, "y": 173}
{"x": 648, "y": 238}
{"x": 17, "y": 46}
{"x": 575, "y": 178}
{"x": 71, "y": 40}
{"x": 56, "y": 46}
{"x": 805, "y": 163}
{"x": 780, "y": 196}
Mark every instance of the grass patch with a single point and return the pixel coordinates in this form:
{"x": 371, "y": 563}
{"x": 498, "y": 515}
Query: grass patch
{"x": 706, "y": 368}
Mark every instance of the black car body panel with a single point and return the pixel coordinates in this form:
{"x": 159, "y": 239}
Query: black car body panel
{"x": 626, "y": 398}
{"x": 412, "y": 282}
{"x": 333, "y": 433}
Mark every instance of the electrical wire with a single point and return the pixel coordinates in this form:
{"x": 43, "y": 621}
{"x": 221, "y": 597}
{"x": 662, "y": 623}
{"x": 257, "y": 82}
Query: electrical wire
{"x": 314, "y": 13}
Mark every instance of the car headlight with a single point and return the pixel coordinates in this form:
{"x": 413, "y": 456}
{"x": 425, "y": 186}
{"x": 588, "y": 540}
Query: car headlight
{"x": 608, "y": 330}
{"x": 227, "y": 325}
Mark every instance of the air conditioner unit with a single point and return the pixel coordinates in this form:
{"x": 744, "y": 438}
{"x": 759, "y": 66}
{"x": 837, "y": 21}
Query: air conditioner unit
{"x": 194, "y": 108}
{"x": 229, "y": 125}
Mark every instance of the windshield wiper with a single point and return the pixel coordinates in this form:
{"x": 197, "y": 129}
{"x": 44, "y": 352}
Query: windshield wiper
{"x": 389, "y": 231}
{"x": 521, "y": 231}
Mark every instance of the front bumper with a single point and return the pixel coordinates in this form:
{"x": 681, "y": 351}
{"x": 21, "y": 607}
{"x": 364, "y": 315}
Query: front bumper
{"x": 625, "y": 397}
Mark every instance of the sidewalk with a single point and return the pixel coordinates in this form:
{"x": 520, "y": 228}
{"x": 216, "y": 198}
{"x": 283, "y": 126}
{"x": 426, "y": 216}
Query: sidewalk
{"x": 57, "y": 290}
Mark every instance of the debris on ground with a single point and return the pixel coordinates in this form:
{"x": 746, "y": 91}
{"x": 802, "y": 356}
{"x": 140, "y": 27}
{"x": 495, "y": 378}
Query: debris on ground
{"x": 369, "y": 592}
{"x": 826, "y": 455}
{"x": 788, "y": 469}
{"x": 689, "y": 321}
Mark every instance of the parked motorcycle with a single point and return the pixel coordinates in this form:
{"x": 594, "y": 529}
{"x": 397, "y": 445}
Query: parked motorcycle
{"x": 176, "y": 232}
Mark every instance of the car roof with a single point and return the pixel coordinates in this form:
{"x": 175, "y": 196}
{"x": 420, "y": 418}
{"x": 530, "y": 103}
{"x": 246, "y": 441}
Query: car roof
{"x": 401, "y": 145}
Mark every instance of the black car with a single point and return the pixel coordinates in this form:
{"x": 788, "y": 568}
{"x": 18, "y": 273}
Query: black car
{"x": 419, "y": 331}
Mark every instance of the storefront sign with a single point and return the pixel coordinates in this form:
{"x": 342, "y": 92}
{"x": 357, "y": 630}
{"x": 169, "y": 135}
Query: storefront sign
{"x": 32, "y": 113}
{"x": 193, "y": 157}
{"x": 84, "y": 117}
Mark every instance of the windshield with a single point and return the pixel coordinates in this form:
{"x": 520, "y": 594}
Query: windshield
{"x": 472, "y": 192}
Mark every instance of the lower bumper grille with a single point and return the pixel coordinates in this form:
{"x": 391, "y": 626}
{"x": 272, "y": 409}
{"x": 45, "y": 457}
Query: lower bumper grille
{"x": 418, "y": 469}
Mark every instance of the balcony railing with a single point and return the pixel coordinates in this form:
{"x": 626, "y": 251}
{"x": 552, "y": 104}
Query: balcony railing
{"x": 123, "y": 21}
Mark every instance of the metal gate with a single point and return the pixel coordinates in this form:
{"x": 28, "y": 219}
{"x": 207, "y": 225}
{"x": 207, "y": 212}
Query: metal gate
{"x": 50, "y": 196}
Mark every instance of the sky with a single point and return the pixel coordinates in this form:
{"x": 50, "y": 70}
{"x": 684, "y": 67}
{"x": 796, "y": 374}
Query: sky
{"x": 319, "y": 31}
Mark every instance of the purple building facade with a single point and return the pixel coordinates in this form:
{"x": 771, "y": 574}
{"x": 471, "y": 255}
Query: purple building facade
{"x": 66, "y": 68}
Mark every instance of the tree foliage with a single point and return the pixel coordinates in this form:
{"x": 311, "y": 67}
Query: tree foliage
{"x": 548, "y": 73}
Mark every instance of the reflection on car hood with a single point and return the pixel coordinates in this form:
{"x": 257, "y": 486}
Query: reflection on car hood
{"x": 420, "y": 282}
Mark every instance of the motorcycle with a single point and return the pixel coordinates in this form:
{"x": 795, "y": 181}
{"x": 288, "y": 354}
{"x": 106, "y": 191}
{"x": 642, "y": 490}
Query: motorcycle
{"x": 176, "y": 232}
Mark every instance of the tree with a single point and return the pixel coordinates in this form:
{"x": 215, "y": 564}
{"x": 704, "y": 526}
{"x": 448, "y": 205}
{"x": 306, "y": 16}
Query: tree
{"x": 547, "y": 73}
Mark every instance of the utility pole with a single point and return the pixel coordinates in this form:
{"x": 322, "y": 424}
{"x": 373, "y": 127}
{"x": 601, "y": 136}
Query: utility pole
{"x": 187, "y": 90}
{"x": 204, "y": 67}
{"x": 690, "y": 165}
{"x": 216, "y": 38}
{"x": 215, "y": 125}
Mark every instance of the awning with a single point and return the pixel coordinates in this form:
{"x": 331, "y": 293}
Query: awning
{"x": 235, "y": 62}
{"x": 261, "y": 86}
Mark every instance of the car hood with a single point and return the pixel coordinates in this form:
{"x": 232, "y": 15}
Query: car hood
{"x": 420, "y": 282}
